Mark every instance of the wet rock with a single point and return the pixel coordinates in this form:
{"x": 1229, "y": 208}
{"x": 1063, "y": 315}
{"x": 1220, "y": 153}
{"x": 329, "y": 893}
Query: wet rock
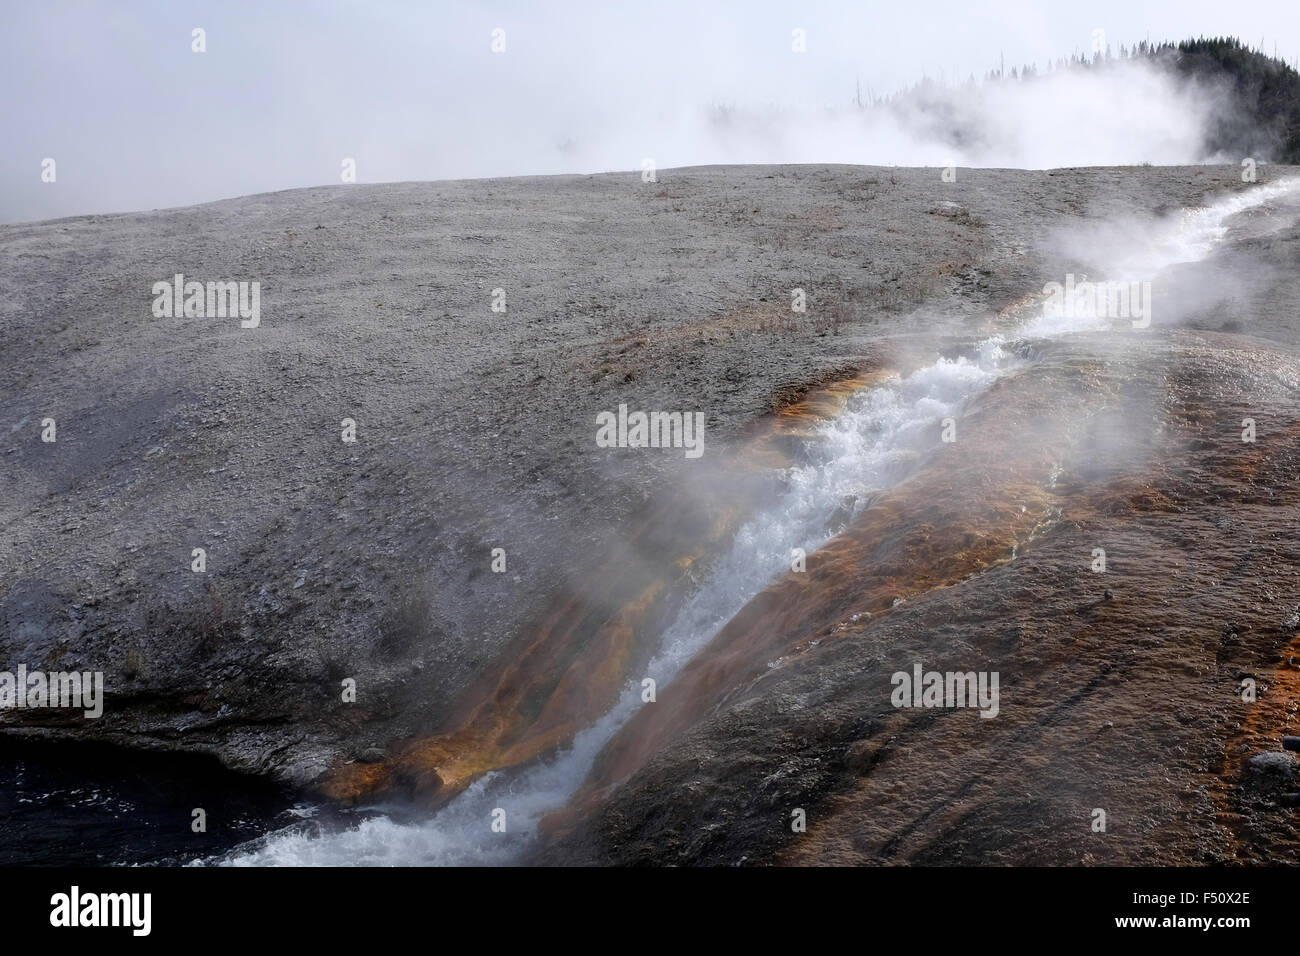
{"x": 860, "y": 755}
{"x": 1291, "y": 743}
{"x": 843, "y": 513}
{"x": 1276, "y": 766}
{"x": 864, "y": 754}
{"x": 371, "y": 755}
{"x": 419, "y": 782}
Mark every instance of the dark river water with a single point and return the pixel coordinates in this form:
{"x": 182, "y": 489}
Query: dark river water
{"x": 71, "y": 804}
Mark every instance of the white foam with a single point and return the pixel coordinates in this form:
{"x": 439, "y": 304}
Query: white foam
{"x": 1193, "y": 233}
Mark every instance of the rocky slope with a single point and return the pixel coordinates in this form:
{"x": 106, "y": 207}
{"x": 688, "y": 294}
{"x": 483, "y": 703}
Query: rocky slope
{"x": 372, "y": 561}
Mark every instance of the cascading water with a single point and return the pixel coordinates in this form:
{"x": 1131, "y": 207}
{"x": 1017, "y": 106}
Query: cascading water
{"x": 874, "y": 443}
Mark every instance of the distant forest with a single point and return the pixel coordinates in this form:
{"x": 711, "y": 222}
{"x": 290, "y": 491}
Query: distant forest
{"x": 1262, "y": 115}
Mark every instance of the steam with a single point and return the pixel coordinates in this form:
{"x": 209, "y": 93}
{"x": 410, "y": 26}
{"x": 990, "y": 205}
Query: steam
{"x": 421, "y": 97}
{"x": 1127, "y": 113}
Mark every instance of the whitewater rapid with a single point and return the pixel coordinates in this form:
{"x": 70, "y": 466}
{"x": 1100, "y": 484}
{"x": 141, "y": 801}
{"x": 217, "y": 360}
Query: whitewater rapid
{"x": 876, "y": 441}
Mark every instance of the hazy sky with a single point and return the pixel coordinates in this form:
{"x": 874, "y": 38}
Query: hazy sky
{"x": 412, "y": 90}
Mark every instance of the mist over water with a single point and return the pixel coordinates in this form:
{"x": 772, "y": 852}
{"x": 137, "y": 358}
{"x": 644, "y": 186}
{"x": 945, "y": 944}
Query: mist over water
{"x": 875, "y": 442}
{"x": 878, "y": 439}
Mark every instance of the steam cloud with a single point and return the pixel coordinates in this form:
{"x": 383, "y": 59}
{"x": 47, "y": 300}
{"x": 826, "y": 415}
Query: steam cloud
{"x": 1126, "y": 114}
{"x": 525, "y": 113}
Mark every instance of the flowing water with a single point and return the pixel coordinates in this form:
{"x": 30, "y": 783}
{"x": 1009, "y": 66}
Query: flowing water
{"x": 878, "y": 439}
